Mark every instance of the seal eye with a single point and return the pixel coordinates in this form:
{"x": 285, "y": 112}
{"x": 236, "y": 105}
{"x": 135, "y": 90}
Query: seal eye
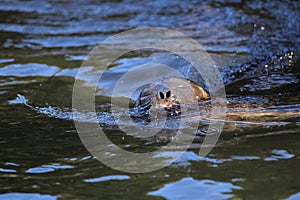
{"x": 168, "y": 94}
{"x": 161, "y": 95}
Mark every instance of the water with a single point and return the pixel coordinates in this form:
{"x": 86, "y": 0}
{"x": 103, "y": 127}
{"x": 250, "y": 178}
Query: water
{"x": 254, "y": 44}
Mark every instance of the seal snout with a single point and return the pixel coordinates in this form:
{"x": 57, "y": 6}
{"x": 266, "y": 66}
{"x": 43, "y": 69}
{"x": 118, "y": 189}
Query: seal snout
{"x": 168, "y": 101}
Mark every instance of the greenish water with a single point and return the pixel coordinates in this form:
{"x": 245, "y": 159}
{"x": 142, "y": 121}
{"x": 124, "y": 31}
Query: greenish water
{"x": 254, "y": 44}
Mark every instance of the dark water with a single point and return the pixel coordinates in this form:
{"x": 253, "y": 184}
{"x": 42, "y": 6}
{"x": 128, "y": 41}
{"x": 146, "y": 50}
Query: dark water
{"x": 255, "y": 44}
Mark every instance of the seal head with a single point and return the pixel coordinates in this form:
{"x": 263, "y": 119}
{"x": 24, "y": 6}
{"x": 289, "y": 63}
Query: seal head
{"x": 157, "y": 96}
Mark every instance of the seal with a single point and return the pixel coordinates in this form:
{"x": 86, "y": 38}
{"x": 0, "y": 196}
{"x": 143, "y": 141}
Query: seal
{"x": 166, "y": 95}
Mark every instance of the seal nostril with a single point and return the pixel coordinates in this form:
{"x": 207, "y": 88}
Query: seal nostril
{"x": 168, "y": 94}
{"x": 161, "y": 95}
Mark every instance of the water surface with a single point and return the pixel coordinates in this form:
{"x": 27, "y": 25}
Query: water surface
{"x": 255, "y": 46}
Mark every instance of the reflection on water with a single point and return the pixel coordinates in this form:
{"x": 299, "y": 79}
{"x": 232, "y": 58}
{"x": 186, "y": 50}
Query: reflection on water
{"x": 189, "y": 188}
{"x": 106, "y": 178}
{"x": 21, "y": 196}
{"x": 48, "y": 168}
{"x": 255, "y": 45}
{"x": 294, "y": 197}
